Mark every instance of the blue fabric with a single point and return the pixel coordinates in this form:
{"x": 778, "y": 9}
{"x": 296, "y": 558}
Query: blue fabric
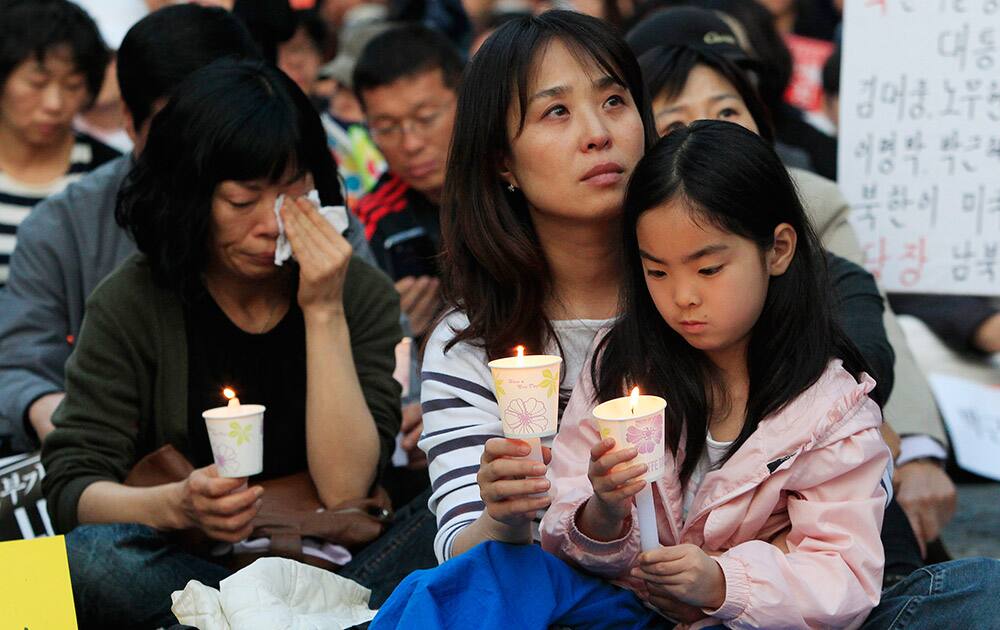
{"x": 961, "y": 593}
{"x": 496, "y": 586}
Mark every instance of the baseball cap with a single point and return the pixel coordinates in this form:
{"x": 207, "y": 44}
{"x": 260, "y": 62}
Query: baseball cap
{"x": 353, "y": 40}
{"x": 690, "y": 27}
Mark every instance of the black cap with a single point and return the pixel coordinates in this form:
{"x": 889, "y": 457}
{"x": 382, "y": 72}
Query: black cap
{"x": 690, "y": 27}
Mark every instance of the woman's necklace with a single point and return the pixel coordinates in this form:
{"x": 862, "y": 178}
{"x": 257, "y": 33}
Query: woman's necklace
{"x": 270, "y": 316}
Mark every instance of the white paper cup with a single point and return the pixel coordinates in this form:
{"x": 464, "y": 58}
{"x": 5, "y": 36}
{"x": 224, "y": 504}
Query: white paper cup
{"x": 237, "y": 438}
{"x": 527, "y": 390}
{"x": 642, "y": 429}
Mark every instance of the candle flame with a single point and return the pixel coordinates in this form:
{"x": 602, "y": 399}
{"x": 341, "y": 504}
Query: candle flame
{"x": 228, "y": 393}
{"x": 633, "y": 399}
{"x": 520, "y": 355}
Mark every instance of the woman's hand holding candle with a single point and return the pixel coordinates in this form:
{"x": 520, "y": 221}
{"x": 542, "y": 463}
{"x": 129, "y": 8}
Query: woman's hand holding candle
{"x": 509, "y": 485}
{"x": 685, "y": 573}
{"x": 614, "y": 483}
{"x": 215, "y": 505}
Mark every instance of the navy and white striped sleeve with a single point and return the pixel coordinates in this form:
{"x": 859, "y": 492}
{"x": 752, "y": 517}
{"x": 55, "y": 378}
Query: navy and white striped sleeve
{"x": 460, "y": 415}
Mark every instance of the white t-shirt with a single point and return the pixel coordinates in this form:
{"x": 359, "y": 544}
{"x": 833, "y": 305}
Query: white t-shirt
{"x": 710, "y": 458}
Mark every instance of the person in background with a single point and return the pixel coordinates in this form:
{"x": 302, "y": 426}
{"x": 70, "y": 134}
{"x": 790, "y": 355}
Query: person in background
{"x": 52, "y": 64}
{"x": 70, "y": 241}
{"x": 359, "y": 161}
{"x": 406, "y": 80}
{"x": 301, "y": 55}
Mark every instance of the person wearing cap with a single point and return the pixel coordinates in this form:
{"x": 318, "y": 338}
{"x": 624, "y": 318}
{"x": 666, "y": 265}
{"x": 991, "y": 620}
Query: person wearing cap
{"x": 691, "y": 64}
{"x": 359, "y": 161}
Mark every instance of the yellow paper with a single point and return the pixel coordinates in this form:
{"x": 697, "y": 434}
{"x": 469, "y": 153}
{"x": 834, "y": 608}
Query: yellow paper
{"x": 35, "y": 592}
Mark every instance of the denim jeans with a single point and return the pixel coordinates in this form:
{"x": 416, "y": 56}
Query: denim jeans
{"x": 961, "y": 593}
{"x": 123, "y": 574}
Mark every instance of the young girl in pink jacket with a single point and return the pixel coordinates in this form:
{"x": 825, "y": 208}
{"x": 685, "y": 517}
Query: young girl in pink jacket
{"x": 771, "y": 503}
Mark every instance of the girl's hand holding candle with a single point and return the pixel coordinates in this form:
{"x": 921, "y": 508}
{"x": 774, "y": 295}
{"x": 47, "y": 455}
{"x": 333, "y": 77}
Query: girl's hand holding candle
{"x": 633, "y": 431}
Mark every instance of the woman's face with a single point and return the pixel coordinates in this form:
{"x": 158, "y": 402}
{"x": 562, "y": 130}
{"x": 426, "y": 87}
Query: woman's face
{"x": 581, "y": 139}
{"x": 41, "y": 98}
{"x": 707, "y": 95}
{"x": 244, "y": 228}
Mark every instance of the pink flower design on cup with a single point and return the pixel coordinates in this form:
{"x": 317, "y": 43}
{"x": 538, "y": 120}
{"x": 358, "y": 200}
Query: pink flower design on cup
{"x": 645, "y": 435}
{"x": 525, "y": 416}
{"x": 226, "y": 458}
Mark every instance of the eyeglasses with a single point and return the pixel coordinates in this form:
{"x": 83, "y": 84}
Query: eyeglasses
{"x": 392, "y": 133}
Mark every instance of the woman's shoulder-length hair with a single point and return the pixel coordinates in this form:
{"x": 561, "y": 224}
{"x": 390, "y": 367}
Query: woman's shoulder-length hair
{"x": 493, "y": 265}
{"x": 236, "y": 120}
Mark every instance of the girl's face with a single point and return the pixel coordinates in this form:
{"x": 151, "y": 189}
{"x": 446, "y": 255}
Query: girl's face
{"x": 581, "y": 139}
{"x": 40, "y": 99}
{"x": 708, "y": 285}
{"x": 244, "y": 228}
{"x": 707, "y": 95}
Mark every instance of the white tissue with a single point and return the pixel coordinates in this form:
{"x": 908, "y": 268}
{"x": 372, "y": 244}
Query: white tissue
{"x": 274, "y": 593}
{"x": 336, "y": 215}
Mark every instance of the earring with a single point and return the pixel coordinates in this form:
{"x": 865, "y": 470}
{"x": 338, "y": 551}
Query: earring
{"x": 511, "y": 187}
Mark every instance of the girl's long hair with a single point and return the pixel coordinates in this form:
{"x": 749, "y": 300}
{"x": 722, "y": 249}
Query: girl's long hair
{"x": 493, "y": 266}
{"x": 730, "y": 178}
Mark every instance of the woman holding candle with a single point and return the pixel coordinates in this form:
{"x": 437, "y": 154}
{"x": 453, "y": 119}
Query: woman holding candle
{"x": 203, "y": 306}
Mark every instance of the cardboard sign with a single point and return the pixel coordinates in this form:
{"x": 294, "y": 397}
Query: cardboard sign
{"x": 920, "y": 141}
{"x": 35, "y": 591}
{"x": 972, "y": 412}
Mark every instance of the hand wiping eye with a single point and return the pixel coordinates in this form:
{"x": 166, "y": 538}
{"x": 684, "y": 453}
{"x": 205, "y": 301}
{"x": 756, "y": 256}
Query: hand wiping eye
{"x": 336, "y": 215}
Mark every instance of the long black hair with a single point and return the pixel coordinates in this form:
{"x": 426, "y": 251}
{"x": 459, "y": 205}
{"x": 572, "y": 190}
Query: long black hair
{"x": 494, "y": 268}
{"x": 732, "y": 179}
{"x": 231, "y": 120}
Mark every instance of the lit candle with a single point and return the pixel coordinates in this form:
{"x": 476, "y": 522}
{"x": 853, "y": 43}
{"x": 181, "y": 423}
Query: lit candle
{"x": 236, "y": 435}
{"x": 527, "y": 391}
{"x": 231, "y": 396}
{"x": 638, "y": 421}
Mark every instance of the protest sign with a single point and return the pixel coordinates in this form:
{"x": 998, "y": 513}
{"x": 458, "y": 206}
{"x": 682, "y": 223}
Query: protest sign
{"x": 35, "y": 591}
{"x": 920, "y": 141}
{"x": 23, "y": 513}
{"x": 971, "y": 411}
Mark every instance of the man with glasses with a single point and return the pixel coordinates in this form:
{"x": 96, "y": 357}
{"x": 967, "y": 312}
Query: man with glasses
{"x": 405, "y": 80}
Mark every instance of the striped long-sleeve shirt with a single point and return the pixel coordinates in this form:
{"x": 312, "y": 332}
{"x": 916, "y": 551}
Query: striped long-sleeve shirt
{"x": 461, "y": 413}
{"x": 17, "y": 199}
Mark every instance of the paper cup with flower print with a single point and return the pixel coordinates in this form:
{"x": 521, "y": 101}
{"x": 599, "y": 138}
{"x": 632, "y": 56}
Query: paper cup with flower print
{"x": 237, "y": 438}
{"x": 640, "y": 426}
{"x": 527, "y": 390}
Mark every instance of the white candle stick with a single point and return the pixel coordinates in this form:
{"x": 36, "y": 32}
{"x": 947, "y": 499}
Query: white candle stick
{"x": 536, "y": 449}
{"x": 649, "y": 536}
{"x": 637, "y": 421}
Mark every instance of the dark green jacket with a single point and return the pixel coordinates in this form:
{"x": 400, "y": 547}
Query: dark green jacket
{"x": 127, "y": 379}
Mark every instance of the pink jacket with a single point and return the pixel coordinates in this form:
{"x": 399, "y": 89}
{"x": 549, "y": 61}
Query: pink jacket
{"x": 814, "y": 474}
